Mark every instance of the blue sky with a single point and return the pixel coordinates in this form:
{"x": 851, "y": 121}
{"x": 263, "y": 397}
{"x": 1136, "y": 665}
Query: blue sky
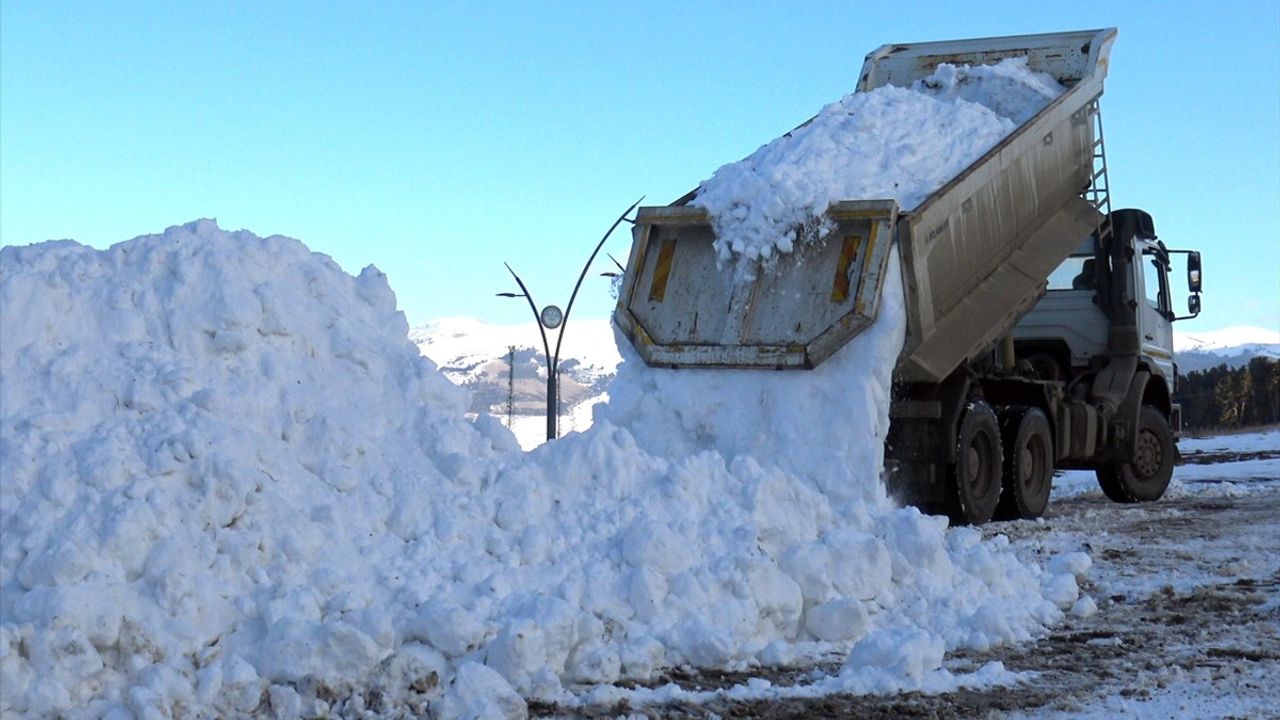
{"x": 437, "y": 140}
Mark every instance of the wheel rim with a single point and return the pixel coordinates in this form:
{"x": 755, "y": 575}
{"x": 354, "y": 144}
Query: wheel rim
{"x": 979, "y": 475}
{"x": 1034, "y": 457}
{"x": 1146, "y": 463}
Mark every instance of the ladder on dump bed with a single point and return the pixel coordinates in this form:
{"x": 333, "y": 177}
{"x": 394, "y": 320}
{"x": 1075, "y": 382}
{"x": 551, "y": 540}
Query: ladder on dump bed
{"x": 1098, "y": 194}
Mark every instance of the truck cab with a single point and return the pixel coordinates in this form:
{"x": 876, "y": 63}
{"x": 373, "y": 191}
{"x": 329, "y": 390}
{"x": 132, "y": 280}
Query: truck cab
{"x": 1068, "y": 333}
{"x": 1083, "y": 380}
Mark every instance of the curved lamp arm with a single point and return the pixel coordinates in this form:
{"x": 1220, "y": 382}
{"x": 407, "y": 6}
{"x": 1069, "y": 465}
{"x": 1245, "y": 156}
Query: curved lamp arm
{"x": 564, "y": 324}
{"x": 546, "y": 347}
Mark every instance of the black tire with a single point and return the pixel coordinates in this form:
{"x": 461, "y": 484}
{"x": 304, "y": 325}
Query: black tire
{"x": 973, "y": 482}
{"x": 1147, "y": 476}
{"x": 1028, "y": 463}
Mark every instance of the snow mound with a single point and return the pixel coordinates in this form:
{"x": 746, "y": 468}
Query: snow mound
{"x": 218, "y": 452}
{"x": 891, "y": 142}
{"x": 230, "y": 484}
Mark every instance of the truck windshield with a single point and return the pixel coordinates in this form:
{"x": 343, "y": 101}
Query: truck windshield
{"x": 1075, "y": 273}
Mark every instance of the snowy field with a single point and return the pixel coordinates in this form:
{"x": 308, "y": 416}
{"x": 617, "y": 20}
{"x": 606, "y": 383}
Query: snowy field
{"x": 1254, "y": 459}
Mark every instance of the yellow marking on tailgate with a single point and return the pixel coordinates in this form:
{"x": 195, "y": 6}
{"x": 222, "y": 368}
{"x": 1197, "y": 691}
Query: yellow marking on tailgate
{"x": 849, "y": 250}
{"x": 658, "y": 290}
{"x": 860, "y": 306}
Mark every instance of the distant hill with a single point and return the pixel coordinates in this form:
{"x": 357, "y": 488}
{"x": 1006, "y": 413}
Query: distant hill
{"x": 474, "y": 354}
{"x": 1234, "y": 346}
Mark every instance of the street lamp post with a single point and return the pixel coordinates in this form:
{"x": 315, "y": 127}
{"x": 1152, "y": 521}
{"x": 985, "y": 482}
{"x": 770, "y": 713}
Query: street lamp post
{"x": 550, "y": 318}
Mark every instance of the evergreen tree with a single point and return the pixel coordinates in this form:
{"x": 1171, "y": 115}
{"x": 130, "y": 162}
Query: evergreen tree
{"x": 1223, "y": 398}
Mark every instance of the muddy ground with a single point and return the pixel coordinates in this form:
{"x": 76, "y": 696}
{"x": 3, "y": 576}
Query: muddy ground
{"x": 1187, "y": 592}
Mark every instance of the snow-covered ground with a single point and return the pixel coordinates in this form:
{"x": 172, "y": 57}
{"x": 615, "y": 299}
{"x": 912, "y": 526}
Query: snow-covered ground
{"x": 1178, "y": 615}
{"x": 1253, "y": 459}
{"x": 1188, "y": 588}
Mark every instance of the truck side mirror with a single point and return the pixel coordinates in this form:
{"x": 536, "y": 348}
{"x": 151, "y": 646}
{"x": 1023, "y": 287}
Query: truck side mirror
{"x": 1193, "y": 273}
{"x": 1193, "y": 305}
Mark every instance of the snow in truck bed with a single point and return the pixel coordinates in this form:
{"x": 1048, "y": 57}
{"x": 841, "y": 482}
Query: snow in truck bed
{"x": 889, "y": 143}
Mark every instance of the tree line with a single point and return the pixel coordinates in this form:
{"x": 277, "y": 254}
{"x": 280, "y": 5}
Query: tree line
{"x": 1226, "y": 398}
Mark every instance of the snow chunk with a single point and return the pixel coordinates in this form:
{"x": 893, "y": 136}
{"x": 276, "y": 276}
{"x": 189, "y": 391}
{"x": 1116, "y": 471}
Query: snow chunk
{"x": 1084, "y": 607}
{"x": 480, "y": 693}
{"x": 839, "y": 619}
{"x": 906, "y": 653}
{"x": 1075, "y": 563}
{"x": 1062, "y": 589}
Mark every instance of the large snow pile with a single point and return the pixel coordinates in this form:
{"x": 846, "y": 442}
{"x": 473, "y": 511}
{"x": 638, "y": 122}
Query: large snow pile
{"x": 894, "y": 580}
{"x": 891, "y": 142}
{"x": 221, "y": 457}
{"x": 228, "y": 482}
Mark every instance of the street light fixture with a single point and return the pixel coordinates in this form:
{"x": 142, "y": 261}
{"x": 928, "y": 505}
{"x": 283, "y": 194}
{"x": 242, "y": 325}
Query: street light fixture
{"x": 550, "y": 318}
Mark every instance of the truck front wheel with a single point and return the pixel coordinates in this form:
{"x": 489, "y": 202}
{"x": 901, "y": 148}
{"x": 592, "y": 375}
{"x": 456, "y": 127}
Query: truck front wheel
{"x": 1146, "y": 477}
{"x": 973, "y": 486}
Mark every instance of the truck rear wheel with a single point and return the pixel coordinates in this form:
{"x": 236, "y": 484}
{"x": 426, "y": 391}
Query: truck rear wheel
{"x": 1028, "y": 463}
{"x": 973, "y": 482}
{"x": 1146, "y": 477}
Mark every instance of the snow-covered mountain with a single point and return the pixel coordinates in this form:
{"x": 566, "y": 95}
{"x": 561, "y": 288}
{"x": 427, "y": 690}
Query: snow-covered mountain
{"x": 1235, "y": 346}
{"x": 476, "y": 355}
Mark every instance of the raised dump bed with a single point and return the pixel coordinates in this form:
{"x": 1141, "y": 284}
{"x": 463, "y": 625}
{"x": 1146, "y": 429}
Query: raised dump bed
{"x": 975, "y": 253}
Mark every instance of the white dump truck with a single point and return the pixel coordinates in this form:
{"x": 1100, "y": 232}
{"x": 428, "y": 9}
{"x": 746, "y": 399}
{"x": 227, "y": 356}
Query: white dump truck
{"x": 1038, "y": 319}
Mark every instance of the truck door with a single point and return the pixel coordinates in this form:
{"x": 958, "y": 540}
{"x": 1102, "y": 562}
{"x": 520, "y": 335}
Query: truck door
{"x": 1156, "y": 310}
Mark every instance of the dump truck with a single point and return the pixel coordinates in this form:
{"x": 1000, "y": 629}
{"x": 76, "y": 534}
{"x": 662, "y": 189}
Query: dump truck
{"x": 1038, "y": 319}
